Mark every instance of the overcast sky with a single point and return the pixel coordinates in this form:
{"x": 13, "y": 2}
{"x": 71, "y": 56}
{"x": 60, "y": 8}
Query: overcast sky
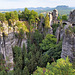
{"x": 8, "y": 4}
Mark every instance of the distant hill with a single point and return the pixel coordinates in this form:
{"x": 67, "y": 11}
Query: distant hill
{"x": 62, "y": 9}
{"x": 30, "y": 8}
{"x": 73, "y": 7}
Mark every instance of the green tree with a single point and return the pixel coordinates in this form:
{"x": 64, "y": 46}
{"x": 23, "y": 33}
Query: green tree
{"x": 41, "y": 16}
{"x": 14, "y": 15}
{"x": 25, "y": 71}
{"x": 47, "y": 23}
{"x": 55, "y": 26}
{"x": 19, "y": 15}
{"x": 21, "y": 29}
{"x": 48, "y": 42}
{"x": 49, "y": 47}
{"x": 33, "y": 20}
{"x": 17, "y": 57}
{"x": 2, "y": 17}
{"x": 59, "y": 17}
{"x": 37, "y": 38}
{"x": 44, "y": 58}
{"x": 33, "y": 56}
{"x": 3, "y": 72}
{"x": 64, "y": 17}
{"x": 8, "y": 16}
{"x": 11, "y": 72}
{"x": 61, "y": 67}
{"x": 33, "y": 16}
{"x": 21, "y": 25}
{"x": 17, "y": 71}
{"x": 24, "y": 55}
{"x": 26, "y": 14}
{"x": 42, "y": 71}
{"x": 2, "y": 62}
{"x": 3, "y": 68}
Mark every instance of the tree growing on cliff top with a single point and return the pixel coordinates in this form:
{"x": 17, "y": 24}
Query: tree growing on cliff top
{"x": 26, "y": 14}
{"x": 41, "y": 16}
{"x": 47, "y": 23}
{"x": 2, "y": 17}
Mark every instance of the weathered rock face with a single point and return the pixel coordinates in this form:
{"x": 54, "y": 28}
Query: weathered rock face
{"x": 6, "y": 49}
{"x": 7, "y": 42}
{"x": 41, "y": 25}
{"x": 68, "y": 42}
{"x": 72, "y": 17}
{"x": 53, "y": 16}
{"x": 5, "y": 26}
{"x": 24, "y": 41}
{"x": 42, "y": 29}
{"x": 68, "y": 47}
{"x": 50, "y": 17}
{"x": 60, "y": 32}
{"x": 50, "y": 31}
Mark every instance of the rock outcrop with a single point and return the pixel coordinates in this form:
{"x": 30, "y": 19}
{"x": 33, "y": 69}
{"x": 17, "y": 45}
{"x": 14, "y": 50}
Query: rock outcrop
{"x": 50, "y": 18}
{"x": 72, "y": 17}
{"x": 68, "y": 46}
{"x": 7, "y": 41}
{"x": 68, "y": 41}
{"x": 53, "y": 16}
{"x": 41, "y": 27}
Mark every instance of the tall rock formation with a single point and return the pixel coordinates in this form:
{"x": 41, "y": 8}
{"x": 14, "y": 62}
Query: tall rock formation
{"x": 68, "y": 42}
{"x": 50, "y": 17}
{"x": 68, "y": 45}
{"x": 7, "y": 41}
{"x": 6, "y": 49}
{"x": 53, "y": 16}
{"x": 41, "y": 26}
{"x": 67, "y": 34}
{"x": 72, "y": 17}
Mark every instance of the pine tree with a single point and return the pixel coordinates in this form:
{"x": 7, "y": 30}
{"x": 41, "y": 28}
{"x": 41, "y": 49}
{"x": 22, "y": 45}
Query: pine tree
{"x": 47, "y": 24}
{"x": 25, "y": 71}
